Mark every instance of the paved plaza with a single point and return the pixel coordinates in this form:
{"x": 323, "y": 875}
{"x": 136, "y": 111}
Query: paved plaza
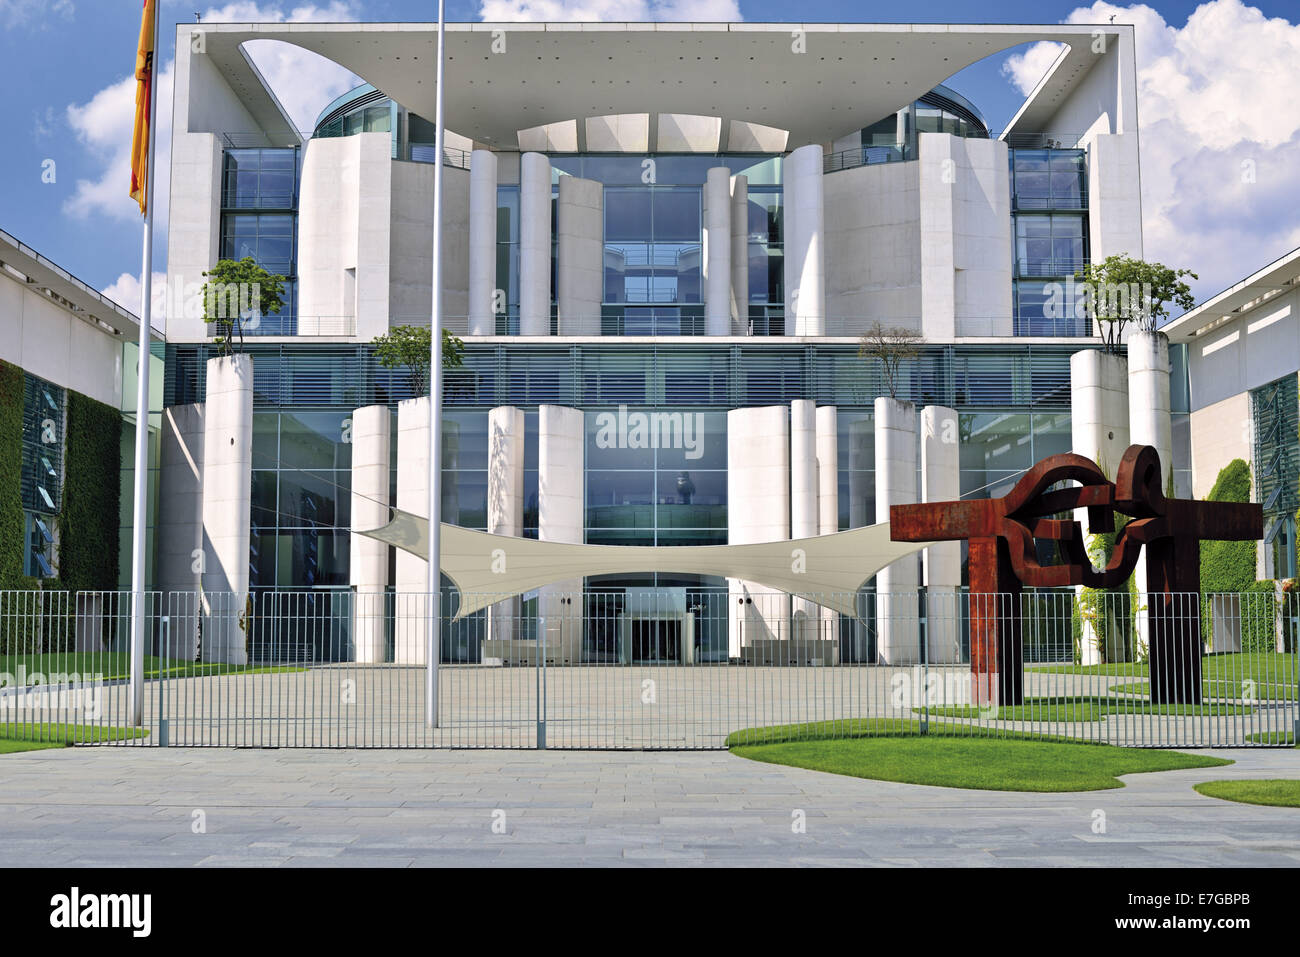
{"x": 141, "y": 806}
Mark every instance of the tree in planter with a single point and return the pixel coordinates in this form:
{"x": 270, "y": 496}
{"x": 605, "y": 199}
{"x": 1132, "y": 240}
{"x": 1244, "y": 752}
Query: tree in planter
{"x": 239, "y": 292}
{"x": 1120, "y": 290}
{"x": 892, "y": 346}
{"x": 410, "y": 346}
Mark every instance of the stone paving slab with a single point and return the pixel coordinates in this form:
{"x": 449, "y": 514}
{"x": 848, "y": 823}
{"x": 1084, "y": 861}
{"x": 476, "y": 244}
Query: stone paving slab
{"x": 134, "y": 807}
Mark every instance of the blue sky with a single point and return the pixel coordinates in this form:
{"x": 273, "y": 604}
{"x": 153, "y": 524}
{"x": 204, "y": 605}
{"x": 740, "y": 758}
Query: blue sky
{"x": 1217, "y": 97}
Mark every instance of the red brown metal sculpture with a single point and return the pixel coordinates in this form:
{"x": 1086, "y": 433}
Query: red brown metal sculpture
{"x": 1003, "y": 557}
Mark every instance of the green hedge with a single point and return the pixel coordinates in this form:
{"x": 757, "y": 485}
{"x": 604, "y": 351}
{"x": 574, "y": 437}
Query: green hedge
{"x": 1229, "y": 566}
{"x": 11, "y": 476}
{"x": 91, "y": 514}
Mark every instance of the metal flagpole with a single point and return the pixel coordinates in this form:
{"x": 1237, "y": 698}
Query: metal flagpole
{"x": 138, "y": 516}
{"x": 432, "y": 649}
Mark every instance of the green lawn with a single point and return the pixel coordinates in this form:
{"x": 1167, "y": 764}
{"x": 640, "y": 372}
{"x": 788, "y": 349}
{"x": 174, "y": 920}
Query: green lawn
{"x": 1084, "y": 708}
{"x": 31, "y": 737}
{"x": 1264, "y": 668}
{"x": 116, "y": 666}
{"x": 1223, "y": 689}
{"x": 892, "y": 750}
{"x": 1273, "y": 792}
{"x": 1273, "y": 737}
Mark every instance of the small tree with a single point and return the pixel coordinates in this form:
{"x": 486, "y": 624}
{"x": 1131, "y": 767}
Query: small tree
{"x": 892, "y": 346}
{"x": 1120, "y": 290}
{"x": 410, "y": 346}
{"x": 237, "y": 294}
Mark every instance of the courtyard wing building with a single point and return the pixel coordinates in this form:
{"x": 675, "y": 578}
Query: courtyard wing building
{"x": 662, "y": 246}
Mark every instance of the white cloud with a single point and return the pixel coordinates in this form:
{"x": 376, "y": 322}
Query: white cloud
{"x": 17, "y": 13}
{"x": 634, "y": 11}
{"x": 1220, "y": 134}
{"x": 125, "y": 291}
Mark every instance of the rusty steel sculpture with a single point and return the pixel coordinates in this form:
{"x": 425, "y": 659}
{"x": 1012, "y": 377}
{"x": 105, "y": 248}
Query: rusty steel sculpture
{"x": 1003, "y": 557}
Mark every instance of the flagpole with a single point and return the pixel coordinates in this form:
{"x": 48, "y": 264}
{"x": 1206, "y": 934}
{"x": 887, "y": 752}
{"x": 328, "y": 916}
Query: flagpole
{"x": 139, "y": 513}
{"x": 432, "y": 649}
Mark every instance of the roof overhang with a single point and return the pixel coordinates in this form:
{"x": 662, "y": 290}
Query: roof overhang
{"x": 25, "y": 265}
{"x": 1252, "y": 292}
{"x": 848, "y": 75}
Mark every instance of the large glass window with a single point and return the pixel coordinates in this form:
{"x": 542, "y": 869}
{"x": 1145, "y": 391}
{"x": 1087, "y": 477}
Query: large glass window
{"x": 1050, "y": 244}
{"x": 1048, "y": 179}
{"x": 257, "y": 181}
{"x": 1048, "y": 309}
{"x": 652, "y": 249}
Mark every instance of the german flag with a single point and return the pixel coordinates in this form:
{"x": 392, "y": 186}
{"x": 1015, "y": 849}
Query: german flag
{"x": 144, "y": 63}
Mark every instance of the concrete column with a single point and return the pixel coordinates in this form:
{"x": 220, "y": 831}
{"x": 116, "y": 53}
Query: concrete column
{"x": 411, "y": 601}
{"x": 789, "y": 215}
{"x": 179, "y": 533}
{"x": 1099, "y": 427}
{"x": 828, "y": 477}
{"x": 505, "y": 516}
{"x": 717, "y": 252}
{"x": 758, "y": 510}
{"x": 1150, "y": 423}
{"x": 580, "y": 237}
{"x": 227, "y": 497}
{"x": 803, "y": 501}
{"x": 534, "y": 245}
{"x": 368, "y": 565}
{"x": 804, "y": 249}
{"x": 561, "y": 518}
{"x": 739, "y": 255}
{"x": 897, "y": 635}
{"x": 941, "y": 482}
{"x": 482, "y": 242}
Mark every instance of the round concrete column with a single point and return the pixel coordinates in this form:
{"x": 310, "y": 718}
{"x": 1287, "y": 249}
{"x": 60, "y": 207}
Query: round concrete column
{"x": 1099, "y": 430}
{"x": 941, "y": 482}
{"x": 560, "y": 518}
{"x": 1149, "y": 418}
{"x": 740, "y": 255}
{"x": 828, "y": 477}
{"x": 897, "y": 635}
{"x": 803, "y": 502}
{"x": 482, "y": 242}
{"x": 368, "y": 567}
{"x": 805, "y": 244}
{"x": 505, "y": 516}
{"x": 534, "y": 245}
{"x": 717, "y": 243}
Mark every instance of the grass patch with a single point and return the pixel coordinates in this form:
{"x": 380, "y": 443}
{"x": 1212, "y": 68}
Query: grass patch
{"x": 31, "y": 737}
{"x": 1271, "y": 792}
{"x": 1222, "y": 689}
{"x": 949, "y": 756}
{"x": 116, "y": 666}
{"x": 1262, "y": 667}
{"x": 1084, "y": 708}
{"x": 1273, "y": 737}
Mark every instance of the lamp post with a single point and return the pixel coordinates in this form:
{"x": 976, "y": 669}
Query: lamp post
{"x": 432, "y": 649}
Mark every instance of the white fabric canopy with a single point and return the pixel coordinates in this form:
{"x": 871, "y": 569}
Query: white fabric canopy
{"x": 828, "y": 569}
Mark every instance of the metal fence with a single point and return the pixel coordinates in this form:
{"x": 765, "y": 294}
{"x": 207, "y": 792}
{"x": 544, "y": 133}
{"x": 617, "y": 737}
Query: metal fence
{"x": 652, "y": 668}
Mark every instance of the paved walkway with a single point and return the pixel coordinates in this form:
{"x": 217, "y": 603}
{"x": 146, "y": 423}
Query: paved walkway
{"x": 114, "y": 807}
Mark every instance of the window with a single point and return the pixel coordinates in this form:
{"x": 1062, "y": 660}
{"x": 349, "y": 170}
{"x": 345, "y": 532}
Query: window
{"x": 1048, "y": 179}
{"x": 1050, "y": 244}
{"x": 652, "y": 259}
{"x": 259, "y": 221}
{"x": 38, "y": 557}
{"x": 1047, "y": 309}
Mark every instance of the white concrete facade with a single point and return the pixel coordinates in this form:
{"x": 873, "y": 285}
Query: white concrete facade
{"x": 805, "y": 242}
{"x": 561, "y": 517}
{"x": 739, "y": 291}
{"x": 505, "y": 515}
{"x": 411, "y": 577}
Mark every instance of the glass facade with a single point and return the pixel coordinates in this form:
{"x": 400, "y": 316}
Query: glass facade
{"x": 44, "y": 415}
{"x": 259, "y": 220}
{"x": 1276, "y": 465}
{"x": 1049, "y": 219}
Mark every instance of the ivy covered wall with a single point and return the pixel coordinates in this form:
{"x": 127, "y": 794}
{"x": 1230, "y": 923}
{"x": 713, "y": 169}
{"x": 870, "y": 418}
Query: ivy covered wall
{"x": 11, "y": 477}
{"x": 89, "y": 518}
{"x": 1229, "y": 566}
{"x": 88, "y": 523}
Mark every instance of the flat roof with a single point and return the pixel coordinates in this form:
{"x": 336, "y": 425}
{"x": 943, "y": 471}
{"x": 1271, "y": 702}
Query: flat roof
{"x": 1256, "y": 289}
{"x": 850, "y": 75}
{"x": 24, "y": 264}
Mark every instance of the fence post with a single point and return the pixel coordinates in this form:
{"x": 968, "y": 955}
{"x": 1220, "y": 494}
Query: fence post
{"x": 541, "y": 681}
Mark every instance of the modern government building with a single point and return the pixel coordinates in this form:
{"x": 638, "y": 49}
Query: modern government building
{"x": 662, "y": 246}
